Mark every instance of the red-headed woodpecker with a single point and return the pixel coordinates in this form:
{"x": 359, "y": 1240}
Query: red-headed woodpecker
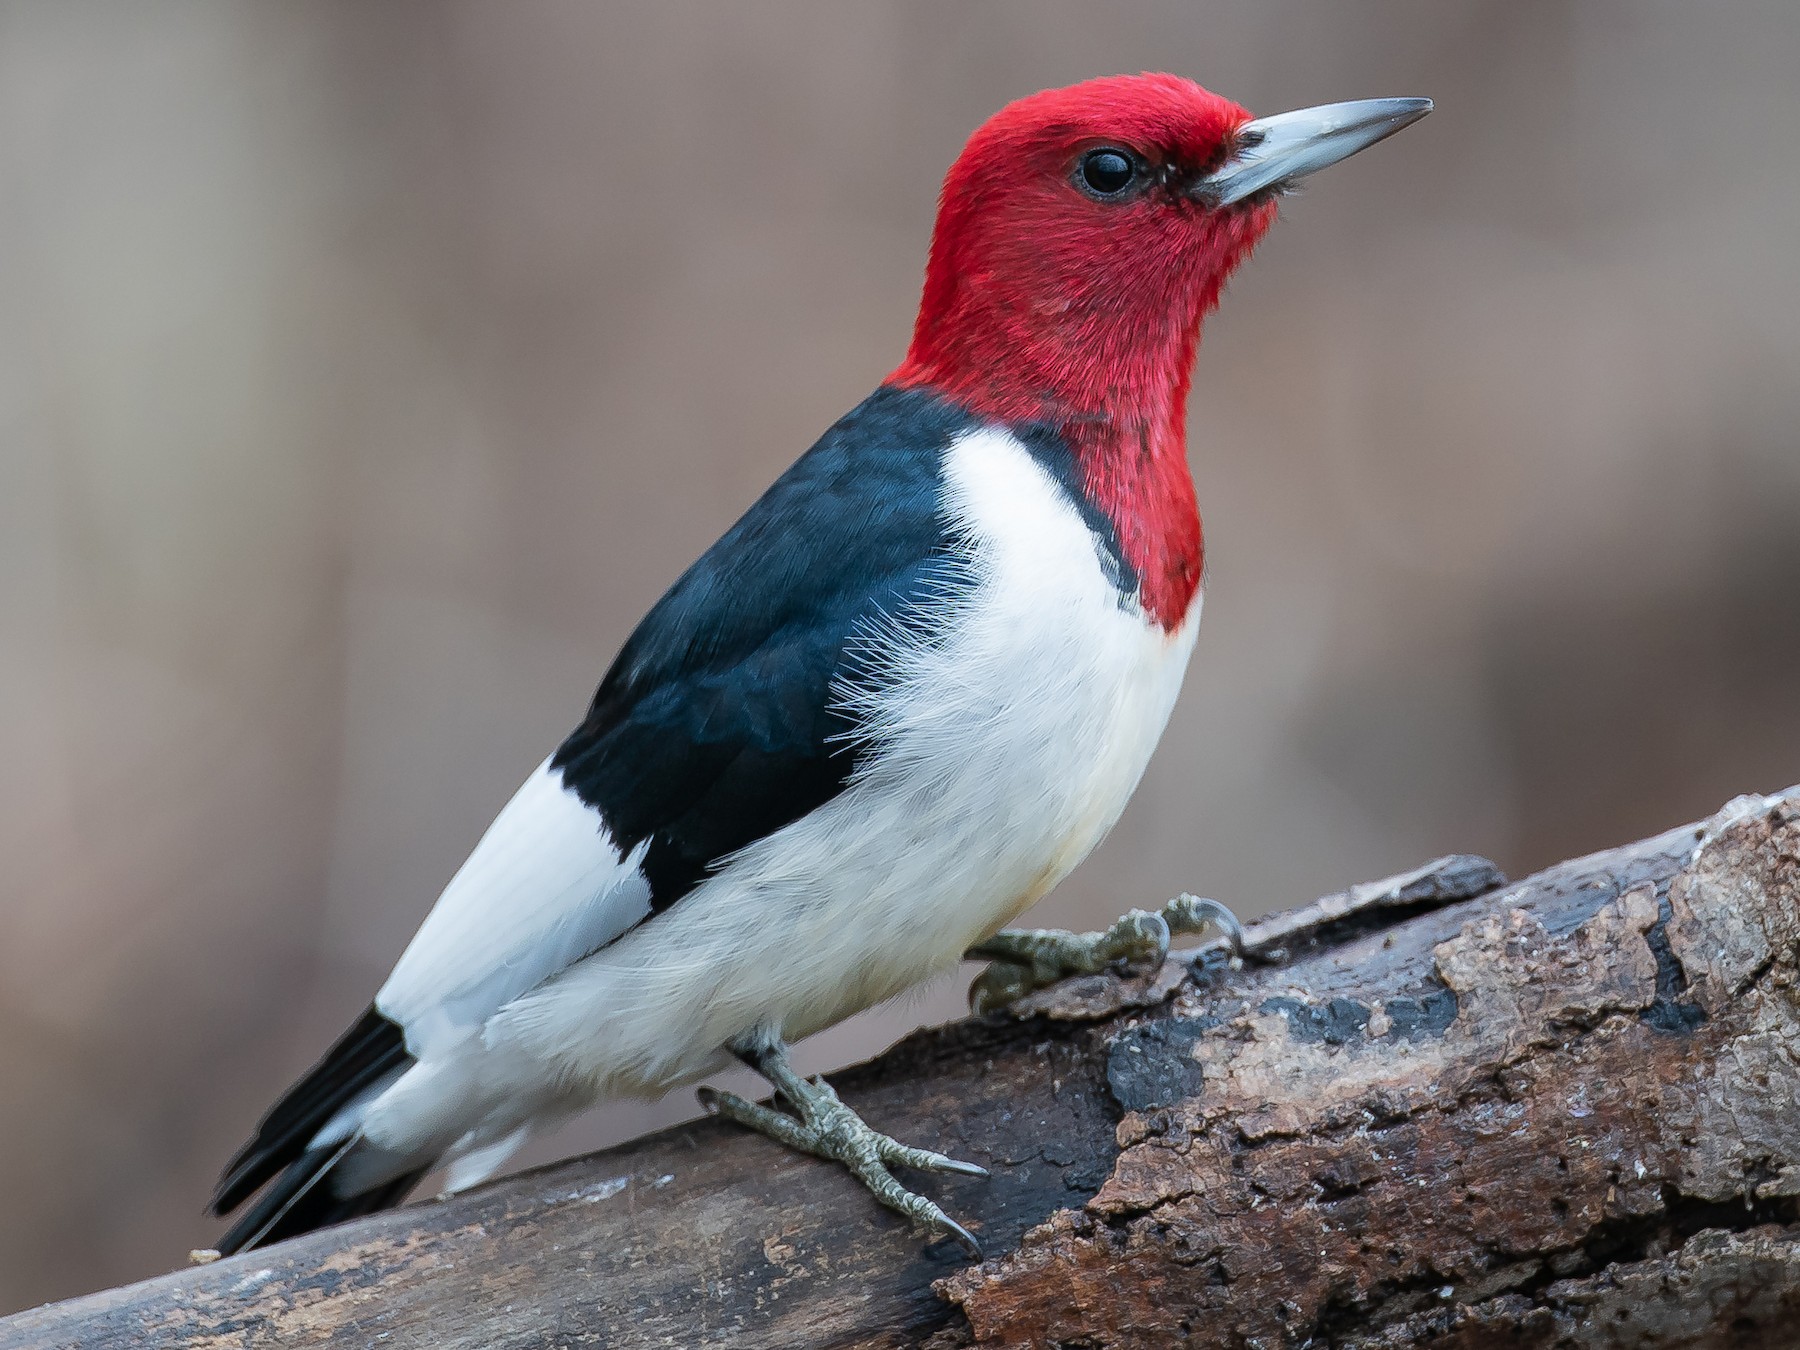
{"x": 896, "y": 703}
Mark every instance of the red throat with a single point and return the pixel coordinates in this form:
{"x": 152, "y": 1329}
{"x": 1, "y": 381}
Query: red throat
{"x": 1041, "y": 306}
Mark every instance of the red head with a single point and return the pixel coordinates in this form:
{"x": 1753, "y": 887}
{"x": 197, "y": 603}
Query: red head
{"x": 1046, "y": 294}
{"x": 1082, "y": 236}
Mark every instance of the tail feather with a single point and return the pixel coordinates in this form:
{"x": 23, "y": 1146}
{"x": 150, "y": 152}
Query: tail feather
{"x": 371, "y": 1051}
{"x": 304, "y": 1199}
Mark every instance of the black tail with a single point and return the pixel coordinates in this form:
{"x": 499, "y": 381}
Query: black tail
{"x": 304, "y": 1198}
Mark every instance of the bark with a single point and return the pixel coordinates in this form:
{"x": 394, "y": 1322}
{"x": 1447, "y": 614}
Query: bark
{"x": 1559, "y": 1114}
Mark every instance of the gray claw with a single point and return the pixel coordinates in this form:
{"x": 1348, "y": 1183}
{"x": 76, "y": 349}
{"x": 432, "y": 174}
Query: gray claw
{"x": 1194, "y": 914}
{"x": 962, "y": 1237}
{"x": 961, "y": 1168}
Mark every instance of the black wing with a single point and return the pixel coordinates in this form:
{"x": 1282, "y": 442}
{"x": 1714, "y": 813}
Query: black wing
{"x": 716, "y": 724}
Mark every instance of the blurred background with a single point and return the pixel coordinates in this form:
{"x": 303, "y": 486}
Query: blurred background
{"x": 366, "y": 370}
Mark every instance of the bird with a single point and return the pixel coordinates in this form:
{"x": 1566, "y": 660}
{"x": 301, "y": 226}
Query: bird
{"x": 901, "y": 698}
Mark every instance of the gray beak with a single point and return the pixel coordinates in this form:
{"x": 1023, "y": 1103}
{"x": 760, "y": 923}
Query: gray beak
{"x": 1274, "y": 151}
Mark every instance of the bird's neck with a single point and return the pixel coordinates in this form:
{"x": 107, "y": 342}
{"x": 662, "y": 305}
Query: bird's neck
{"x": 1126, "y": 430}
{"x": 1136, "y": 473}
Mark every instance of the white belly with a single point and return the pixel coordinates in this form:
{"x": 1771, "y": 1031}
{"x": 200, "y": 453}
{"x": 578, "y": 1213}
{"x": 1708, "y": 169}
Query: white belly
{"x": 1007, "y": 749}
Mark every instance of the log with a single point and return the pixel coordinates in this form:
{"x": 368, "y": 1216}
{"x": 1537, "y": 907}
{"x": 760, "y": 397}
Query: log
{"x": 1558, "y": 1113}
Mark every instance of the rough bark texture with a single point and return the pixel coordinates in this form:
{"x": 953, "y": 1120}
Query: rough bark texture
{"x": 1559, "y": 1114}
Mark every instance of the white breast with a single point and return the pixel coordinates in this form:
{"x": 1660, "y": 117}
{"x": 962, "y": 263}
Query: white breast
{"x": 1007, "y": 749}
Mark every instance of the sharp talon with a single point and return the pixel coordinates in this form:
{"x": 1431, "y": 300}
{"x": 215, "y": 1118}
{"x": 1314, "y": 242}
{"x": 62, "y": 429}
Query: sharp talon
{"x": 708, "y": 1099}
{"x": 962, "y": 1169}
{"x": 927, "y": 1160}
{"x": 962, "y": 1237}
{"x": 1193, "y": 913}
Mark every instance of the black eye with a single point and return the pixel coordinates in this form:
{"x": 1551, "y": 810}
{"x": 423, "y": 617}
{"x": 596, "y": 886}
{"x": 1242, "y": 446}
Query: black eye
{"x": 1106, "y": 173}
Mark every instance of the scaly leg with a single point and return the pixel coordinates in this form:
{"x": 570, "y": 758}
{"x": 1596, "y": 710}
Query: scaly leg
{"x": 1027, "y": 959}
{"x": 829, "y": 1129}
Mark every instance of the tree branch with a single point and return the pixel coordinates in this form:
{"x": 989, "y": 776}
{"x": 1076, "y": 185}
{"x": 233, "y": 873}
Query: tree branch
{"x": 1561, "y": 1113}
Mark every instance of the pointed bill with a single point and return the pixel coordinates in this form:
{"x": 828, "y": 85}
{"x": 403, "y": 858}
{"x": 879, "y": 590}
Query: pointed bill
{"x": 1274, "y": 151}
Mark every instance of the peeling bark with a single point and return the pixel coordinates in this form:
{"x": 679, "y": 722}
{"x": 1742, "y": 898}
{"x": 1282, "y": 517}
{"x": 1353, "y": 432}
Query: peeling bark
{"x": 1558, "y": 1113}
{"x": 1507, "y": 1117}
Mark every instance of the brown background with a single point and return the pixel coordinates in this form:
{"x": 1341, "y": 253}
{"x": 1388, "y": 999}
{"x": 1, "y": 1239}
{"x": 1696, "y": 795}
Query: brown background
{"x": 365, "y": 370}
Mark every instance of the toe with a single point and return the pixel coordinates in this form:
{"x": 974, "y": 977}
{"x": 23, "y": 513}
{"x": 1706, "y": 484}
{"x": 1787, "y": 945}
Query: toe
{"x": 1001, "y": 984}
{"x": 780, "y": 1127}
{"x": 1137, "y": 936}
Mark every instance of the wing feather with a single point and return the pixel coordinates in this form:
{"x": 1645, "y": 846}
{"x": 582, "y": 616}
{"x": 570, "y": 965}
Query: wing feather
{"x": 545, "y": 886}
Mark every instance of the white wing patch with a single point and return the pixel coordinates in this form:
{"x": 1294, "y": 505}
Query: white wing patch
{"x": 544, "y": 887}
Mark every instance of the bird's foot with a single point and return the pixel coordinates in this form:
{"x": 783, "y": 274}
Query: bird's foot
{"x": 829, "y": 1129}
{"x": 1024, "y": 960}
